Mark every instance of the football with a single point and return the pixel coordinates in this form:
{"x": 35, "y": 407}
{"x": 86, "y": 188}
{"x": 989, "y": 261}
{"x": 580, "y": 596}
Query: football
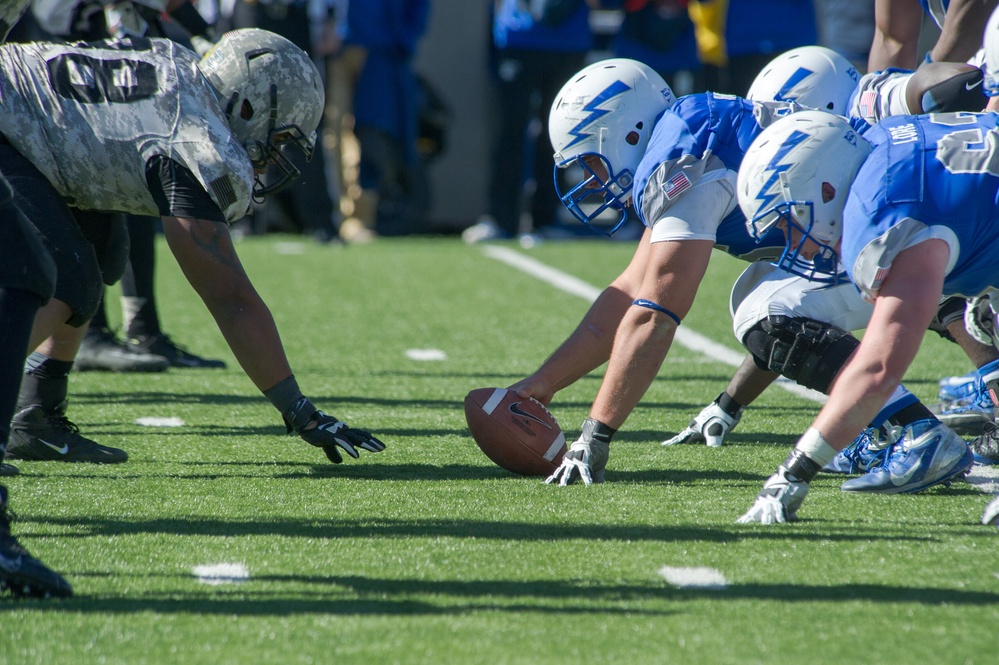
{"x": 518, "y": 434}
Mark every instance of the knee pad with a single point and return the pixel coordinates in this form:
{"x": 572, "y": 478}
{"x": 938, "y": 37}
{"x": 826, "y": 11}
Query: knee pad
{"x": 108, "y": 233}
{"x": 949, "y": 311}
{"x": 810, "y": 353}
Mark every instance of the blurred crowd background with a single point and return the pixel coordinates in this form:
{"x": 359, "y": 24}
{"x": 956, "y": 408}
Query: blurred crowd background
{"x": 437, "y": 109}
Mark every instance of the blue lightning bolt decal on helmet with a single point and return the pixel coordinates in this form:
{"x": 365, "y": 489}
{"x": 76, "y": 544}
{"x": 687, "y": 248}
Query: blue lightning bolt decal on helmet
{"x": 595, "y": 112}
{"x": 812, "y": 76}
{"x": 796, "y": 176}
{"x": 599, "y": 125}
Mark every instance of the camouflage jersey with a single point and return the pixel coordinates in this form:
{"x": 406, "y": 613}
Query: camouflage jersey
{"x": 91, "y": 116}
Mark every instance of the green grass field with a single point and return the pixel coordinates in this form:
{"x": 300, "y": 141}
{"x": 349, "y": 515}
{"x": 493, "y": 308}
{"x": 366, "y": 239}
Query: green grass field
{"x": 428, "y": 553}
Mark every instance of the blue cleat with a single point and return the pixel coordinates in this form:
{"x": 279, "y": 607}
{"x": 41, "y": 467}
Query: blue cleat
{"x": 865, "y": 453}
{"x": 957, "y": 389}
{"x": 926, "y": 453}
{"x": 973, "y": 416}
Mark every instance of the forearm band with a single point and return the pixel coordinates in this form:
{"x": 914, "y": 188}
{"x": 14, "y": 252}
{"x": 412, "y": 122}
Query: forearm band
{"x": 648, "y": 304}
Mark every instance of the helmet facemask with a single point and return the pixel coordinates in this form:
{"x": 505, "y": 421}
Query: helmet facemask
{"x": 598, "y": 191}
{"x": 796, "y": 220}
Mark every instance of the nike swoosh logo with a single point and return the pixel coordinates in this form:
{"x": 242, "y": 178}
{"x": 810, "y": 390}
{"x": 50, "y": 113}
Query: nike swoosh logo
{"x": 900, "y": 479}
{"x": 62, "y": 451}
{"x": 10, "y": 565}
{"x": 516, "y": 410}
{"x": 972, "y": 85}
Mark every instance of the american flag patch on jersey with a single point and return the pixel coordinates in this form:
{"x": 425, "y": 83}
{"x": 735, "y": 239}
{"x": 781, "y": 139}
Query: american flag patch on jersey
{"x": 868, "y": 100}
{"x": 224, "y": 192}
{"x": 879, "y": 278}
{"x": 676, "y": 185}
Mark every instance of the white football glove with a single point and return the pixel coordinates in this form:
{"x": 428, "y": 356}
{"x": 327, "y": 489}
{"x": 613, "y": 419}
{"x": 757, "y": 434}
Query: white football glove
{"x": 778, "y": 501}
{"x": 991, "y": 515}
{"x": 711, "y": 426}
{"x": 586, "y": 460}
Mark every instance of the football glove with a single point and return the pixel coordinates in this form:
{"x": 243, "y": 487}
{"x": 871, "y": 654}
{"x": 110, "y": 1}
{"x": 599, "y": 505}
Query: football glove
{"x": 586, "y": 458}
{"x": 991, "y": 515}
{"x": 711, "y": 426}
{"x": 778, "y": 501}
{"x": 324, "y": 431}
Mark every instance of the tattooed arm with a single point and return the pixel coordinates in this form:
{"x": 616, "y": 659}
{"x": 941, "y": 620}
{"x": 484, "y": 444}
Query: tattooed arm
{"x": 206, "y": 255}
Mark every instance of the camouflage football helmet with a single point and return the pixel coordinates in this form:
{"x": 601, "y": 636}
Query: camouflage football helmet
{"x": 272, "y": 95}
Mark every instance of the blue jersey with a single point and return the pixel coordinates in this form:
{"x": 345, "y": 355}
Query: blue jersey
{"x": 702, "y": 138}
{"x": 928, "y": 176}
{"x": 935, "y": 9}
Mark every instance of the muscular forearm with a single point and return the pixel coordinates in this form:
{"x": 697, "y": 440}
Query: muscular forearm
{"x": 640, "y": 347}
{"x": 589, "y": 345}
{"x": 252, "y": 335}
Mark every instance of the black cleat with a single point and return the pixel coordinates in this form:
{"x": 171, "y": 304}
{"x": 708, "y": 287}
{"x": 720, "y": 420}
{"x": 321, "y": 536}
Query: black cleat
{"x": 160, "y": 344}
{"x": 102, "y": 351}
{"x": 39, "y": 436}
{"x": 20, "y": 573}
{"x": 8, "y": 469}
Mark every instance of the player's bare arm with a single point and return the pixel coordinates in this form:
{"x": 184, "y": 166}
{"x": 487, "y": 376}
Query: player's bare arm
{"x": 206, "y": 255}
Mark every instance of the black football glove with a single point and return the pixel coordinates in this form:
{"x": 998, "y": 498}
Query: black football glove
{"x": 329, "y": 433}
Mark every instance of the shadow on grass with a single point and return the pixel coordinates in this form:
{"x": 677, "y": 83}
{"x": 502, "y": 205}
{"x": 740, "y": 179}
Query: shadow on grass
{"x": 455, "y": 528}
{"x": 355, "y": 595}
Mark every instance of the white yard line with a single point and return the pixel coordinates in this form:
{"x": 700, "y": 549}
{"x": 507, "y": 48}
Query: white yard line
{"x": 985, "y": 478}
{"x": 217, "y": 574}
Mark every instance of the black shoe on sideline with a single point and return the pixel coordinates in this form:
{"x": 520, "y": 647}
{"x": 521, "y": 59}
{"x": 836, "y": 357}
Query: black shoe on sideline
{"x": 160, "y": 344}
{"x": 102, "y": 351}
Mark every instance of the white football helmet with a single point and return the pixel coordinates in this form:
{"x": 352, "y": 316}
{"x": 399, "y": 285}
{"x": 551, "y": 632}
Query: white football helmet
{"x": 601, "y": 121}
{"x": 812, "y": 76}
{"x": 990, "y": 42}
{"x": 271, "y": 93}
{"x": 796, "y": 176}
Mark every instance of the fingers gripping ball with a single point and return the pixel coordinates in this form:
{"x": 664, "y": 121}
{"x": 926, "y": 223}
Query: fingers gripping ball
{"x": 518, "y": 434}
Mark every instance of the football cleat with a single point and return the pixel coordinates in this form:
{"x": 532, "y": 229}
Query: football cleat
{"x": 40, "y": 436}
{"x": 20, "y": 573}
{"x": 924, "y": 454}
{"x": 102, "y": 351}
{"x": 161, "y": 345}
{"x": 865, "y": 453}
{"x": 973, "y": 416}
{"x": 986, "y": 447}
{"x": 957, "y": 390}
{"x": 710, "y": 426}
{"x": 991, "y": 515}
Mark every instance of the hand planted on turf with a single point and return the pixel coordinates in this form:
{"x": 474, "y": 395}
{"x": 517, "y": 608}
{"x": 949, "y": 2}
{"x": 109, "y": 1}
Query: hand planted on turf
{"x": 711, "y": 426}
{"x": 585, "y": 459}
{"x": 778, "y": 501}
{"x": 329, "y": 433}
